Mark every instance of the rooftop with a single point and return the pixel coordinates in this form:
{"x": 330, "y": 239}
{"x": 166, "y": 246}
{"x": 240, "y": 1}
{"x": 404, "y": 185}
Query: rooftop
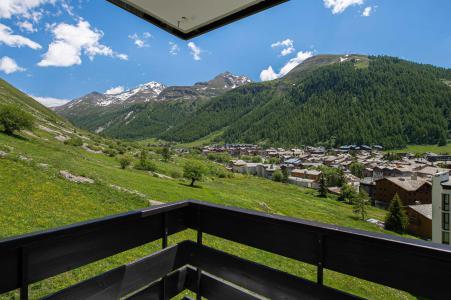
{"x": 407, "y": 183}
{"x": 423, "y": 209}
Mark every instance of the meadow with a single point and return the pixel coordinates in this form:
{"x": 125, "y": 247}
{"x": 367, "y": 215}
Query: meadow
{"x": 34, "y": 197}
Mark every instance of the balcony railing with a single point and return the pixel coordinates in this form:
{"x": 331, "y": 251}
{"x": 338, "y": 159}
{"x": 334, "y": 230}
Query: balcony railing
{"x": 420, "y": 268}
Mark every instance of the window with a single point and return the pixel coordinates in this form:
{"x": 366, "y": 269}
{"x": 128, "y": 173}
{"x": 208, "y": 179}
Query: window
{"x": 445, "y": 237}
{"x": 445, "y": 221}
{"x": 445, "y": 202}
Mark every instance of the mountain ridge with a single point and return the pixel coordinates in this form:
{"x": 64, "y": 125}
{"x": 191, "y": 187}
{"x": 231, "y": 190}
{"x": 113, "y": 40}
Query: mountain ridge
{"x": 147, "y": 109}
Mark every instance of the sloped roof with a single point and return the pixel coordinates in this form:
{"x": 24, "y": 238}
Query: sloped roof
{"x": 189, "y": 18}
{"x": 423, "y": 209}
{"x": 407, "y": 183}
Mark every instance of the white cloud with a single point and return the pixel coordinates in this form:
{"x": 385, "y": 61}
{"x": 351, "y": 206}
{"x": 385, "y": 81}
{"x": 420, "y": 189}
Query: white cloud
{"x": 8, "y": 38}
{"x": 115, "y": 90}
{"x": 122, "y": 56}
{"x": 174, "y": 49}
{"x": 9, "y": 65}
{"x": 49, "y": 101}
{"x": 71, "y": 41}
{"x": 286, "y": 45}
{"x": 270, "y": 74}
{"x": 26, "y": 26}
{"x": 195, "y": 51}
{"x": 140, "y": 41}
{"x": 339, "y": 6}
{"x": 23, "y": 8}
{"x": 367, "y": 11}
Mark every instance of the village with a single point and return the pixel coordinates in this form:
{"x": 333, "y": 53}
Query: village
{"x": 418, "y": 180}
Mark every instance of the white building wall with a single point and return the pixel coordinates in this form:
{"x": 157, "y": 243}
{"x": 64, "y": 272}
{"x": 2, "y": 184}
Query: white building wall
{"x": 437, "y": 192}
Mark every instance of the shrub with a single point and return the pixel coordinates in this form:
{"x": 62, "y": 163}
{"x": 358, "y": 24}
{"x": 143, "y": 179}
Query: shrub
{"x": 166, "y": 153}
{"x": 125, "y": 162}
{"x": 145, "y": 165}
{"x": 347, "y": 194}
{"x": 219, "y": 157}
{"x": 12, "y": 118}
{"x": 277, "y": 176}
{"x": 176, "y": 174}
{"x": 74, "y": 141}
{"x": 256, "y": 159}
{"x": 110, "y": 152}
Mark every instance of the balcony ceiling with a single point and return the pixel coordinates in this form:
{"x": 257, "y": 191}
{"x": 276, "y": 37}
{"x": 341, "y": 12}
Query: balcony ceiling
{"x": 189, "y": 18}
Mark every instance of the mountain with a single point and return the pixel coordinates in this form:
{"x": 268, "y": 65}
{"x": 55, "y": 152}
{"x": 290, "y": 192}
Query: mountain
{"x": 44, "y": 117}
{"x": 332, "y": 100}
{"x": 145, "y": 111}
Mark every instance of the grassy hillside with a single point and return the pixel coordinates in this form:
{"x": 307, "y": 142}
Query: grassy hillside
{"x": 39, "y": 198}
{"x": 33, "y": 196}
{"x": 427, "y": 148}
{"x": 333, "y": 100}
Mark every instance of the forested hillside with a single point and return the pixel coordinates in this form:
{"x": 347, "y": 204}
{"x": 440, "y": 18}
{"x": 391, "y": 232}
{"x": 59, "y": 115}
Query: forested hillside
{"x": 380, "y": 100}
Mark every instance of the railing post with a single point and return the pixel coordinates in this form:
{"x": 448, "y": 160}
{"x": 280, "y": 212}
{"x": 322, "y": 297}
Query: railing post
{"x": 319, "y": 272}
{"x": 164, "y": 244}
{"x": 199, "y": 242}
{"x": 23, "y": 273}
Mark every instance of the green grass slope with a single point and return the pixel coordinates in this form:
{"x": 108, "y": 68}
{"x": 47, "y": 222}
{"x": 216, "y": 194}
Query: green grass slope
{"x": 34, "y": 197}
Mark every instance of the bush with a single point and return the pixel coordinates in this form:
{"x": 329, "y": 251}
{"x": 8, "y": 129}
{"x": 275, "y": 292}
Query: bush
{"x": 12, "y": 118}
{"x": 125, "y": 162}
{"x": 219, "y": 157}
{"x": 277, "y": 176}
{"x": 194, "y": 171}
{"x": 176, "y": 174}
{"x": 75, "y": 141}
{"x": 110, "y": 152}
{"x": 145, "y": 165}
{"x": 256, "y": 159}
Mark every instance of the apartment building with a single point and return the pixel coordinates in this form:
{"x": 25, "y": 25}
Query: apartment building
{"x": 441, "y": 194}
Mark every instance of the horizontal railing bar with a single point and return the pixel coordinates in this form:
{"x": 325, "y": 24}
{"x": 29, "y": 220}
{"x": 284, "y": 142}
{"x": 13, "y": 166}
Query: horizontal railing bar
{"x": 129, "y": 278}
{"x": 411, "y": 265}
{"x": 74, "y": 246}
{"x": 174, "y": 284}
{"x": 214, "y": 289}
{"x": 414, "y": 266}
{"x": 260, "y": 279}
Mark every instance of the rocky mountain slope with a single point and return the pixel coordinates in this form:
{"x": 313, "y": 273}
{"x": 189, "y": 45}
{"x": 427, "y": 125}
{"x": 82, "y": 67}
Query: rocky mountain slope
{"x": 332, "y": 99}
{"x": 147, "y": 110}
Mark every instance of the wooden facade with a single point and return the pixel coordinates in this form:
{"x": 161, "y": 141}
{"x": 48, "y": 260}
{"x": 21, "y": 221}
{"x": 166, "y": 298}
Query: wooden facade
{"x": 386, "y": 189}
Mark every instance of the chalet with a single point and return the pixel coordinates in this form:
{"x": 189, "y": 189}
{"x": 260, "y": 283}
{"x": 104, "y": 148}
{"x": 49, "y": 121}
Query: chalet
{"x": 368, "y": 185}
{"x": 420, "y": 220}
{"x": 411, "y": 190}
{"x": 306, "y": 174}
{"x": 239, "y": 166}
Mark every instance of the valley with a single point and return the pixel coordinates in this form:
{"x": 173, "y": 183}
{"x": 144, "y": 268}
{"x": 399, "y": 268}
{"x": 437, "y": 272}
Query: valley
{"x": 34, "y": 196}
{"x": 327, "y": 100}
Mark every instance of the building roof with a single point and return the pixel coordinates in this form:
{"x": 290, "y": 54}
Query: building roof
{"x": 423, "y": 209}
{"x": 306, "y": 171}
{"x": 188, "y": 19}
{"x": 407, "y": 183}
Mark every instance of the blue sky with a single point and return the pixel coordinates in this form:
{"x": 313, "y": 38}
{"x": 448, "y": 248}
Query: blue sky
{"x": 64, "y": 49}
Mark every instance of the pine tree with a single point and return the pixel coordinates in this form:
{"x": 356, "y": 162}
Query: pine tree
{"x": 322, "y": 186}
{"x": 396, "y": 219}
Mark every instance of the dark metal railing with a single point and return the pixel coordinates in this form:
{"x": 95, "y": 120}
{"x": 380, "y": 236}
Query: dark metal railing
{"x": 417, "y": 267}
